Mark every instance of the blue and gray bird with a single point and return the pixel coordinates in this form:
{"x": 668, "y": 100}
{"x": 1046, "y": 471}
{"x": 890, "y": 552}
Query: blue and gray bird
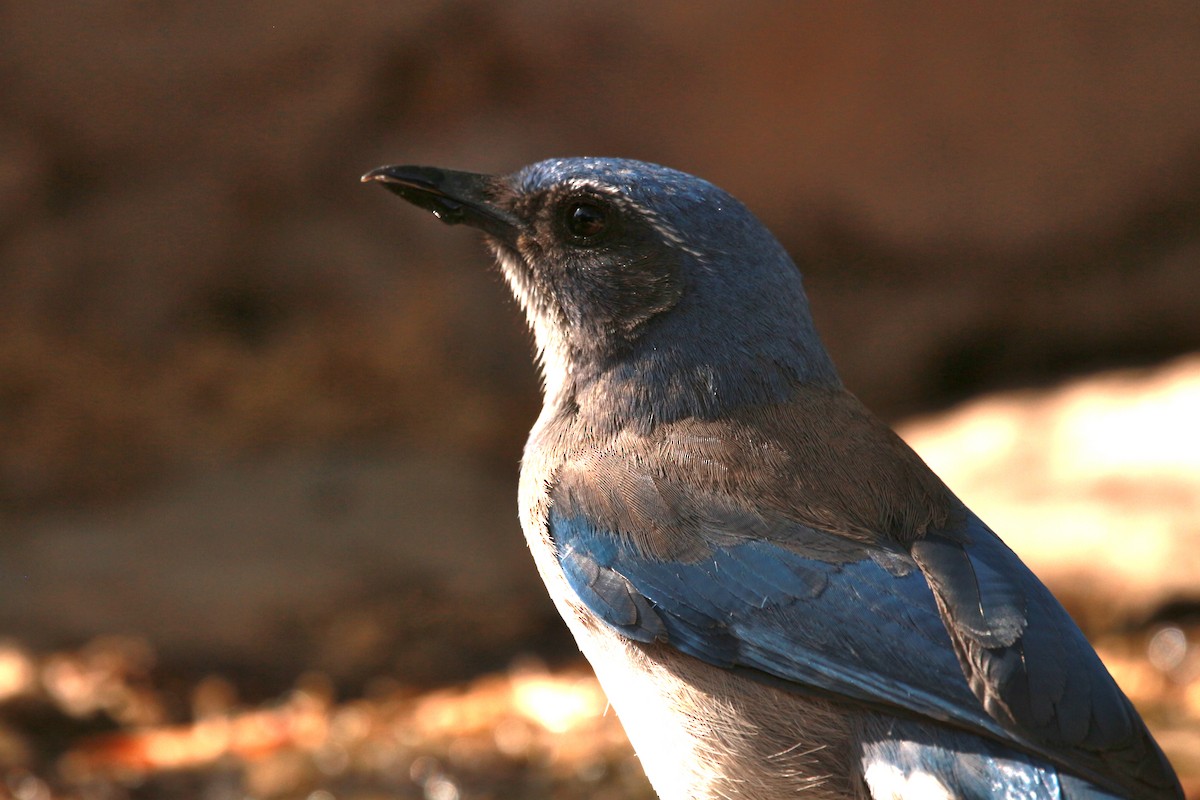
{"x": 778, "y": 596}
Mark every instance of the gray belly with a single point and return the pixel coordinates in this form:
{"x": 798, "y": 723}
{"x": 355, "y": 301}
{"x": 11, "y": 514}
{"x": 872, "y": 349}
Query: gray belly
{"x": 703, "y": 732}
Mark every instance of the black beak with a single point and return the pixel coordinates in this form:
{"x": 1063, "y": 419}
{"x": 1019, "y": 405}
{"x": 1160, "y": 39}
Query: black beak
{"x": 453, "y": 197}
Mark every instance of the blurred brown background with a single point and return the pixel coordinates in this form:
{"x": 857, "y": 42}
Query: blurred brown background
{"x": 265, "y": 420}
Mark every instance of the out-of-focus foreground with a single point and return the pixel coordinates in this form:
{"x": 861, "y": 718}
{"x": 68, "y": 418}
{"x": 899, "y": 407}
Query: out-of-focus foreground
{"x": 259, "y": 426}
{"x": 107, "y": 721}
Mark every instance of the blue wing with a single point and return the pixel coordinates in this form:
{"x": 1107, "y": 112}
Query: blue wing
{"x": 956, "y": 630}
{"x": 761, "y": 606}
{"x": 757, "y": 604}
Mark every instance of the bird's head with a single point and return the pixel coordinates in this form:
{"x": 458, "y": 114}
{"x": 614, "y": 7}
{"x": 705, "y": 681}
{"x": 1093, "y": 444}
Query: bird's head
{"x": 634, "y": 275}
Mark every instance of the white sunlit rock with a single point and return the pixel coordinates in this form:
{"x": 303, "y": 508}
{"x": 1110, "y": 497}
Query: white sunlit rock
{"x": 1095, "y": 481}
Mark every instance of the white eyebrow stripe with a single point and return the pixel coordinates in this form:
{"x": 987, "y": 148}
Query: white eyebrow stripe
{"x": 660, "y": 225}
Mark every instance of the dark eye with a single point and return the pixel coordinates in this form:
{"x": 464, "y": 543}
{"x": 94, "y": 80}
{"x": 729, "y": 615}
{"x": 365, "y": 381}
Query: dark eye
{"x": 586, "y": 220}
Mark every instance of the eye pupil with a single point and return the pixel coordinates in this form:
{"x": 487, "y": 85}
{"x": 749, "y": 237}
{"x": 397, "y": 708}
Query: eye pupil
{"x": 586, "y": 220}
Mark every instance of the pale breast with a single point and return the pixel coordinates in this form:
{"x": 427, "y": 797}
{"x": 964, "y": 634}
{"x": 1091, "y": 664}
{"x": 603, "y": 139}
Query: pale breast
{"x": 699, "y": 731}
{"x": 702, "y": 732}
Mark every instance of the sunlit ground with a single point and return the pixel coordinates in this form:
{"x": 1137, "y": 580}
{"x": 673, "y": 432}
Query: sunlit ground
{"x": 524, "y": 733}
{"x": 1097, "y": 485}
